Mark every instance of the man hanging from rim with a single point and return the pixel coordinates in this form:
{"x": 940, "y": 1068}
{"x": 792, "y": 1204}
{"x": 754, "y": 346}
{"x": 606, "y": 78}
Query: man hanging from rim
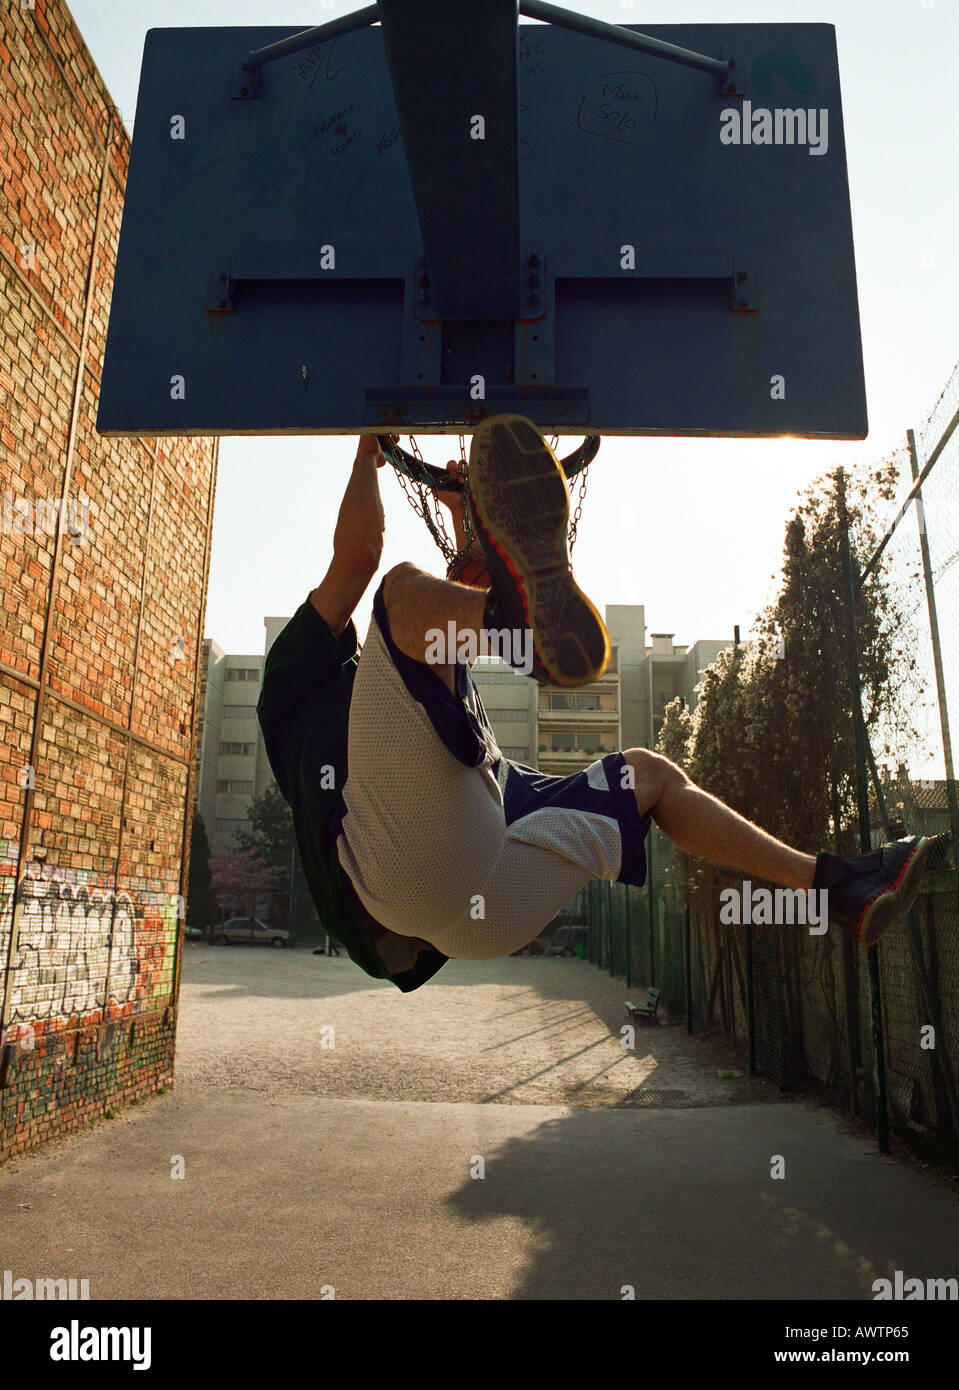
{"x": 419, "y": 840}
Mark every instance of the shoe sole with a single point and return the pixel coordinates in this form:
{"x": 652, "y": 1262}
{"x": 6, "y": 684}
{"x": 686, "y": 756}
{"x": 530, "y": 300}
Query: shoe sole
{"x": 892, "y": 903}
{"x": 521, "y": 504}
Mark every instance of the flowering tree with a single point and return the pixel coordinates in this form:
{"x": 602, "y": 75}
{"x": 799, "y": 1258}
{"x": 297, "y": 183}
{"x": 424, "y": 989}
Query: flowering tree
{"x": 240, "y": 877}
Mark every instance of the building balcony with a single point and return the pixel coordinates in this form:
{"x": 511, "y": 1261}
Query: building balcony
{"x": 573, "y": 717}
{"x": 573, "y": 754}
{"x": 562, "y": 764}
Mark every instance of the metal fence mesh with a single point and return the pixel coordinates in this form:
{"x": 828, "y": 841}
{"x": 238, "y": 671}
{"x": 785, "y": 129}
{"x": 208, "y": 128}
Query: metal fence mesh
{"x": 803, "y": 1005}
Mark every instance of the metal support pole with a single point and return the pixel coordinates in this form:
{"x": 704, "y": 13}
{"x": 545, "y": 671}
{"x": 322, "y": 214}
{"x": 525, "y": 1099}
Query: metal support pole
{"x": 471, "y": 245}
{"x": 951, "y": 797}
{"x": 307, "y": 38}
{"x": 618, "y": 33}
{"x": 862, "y": 803}
{"x": 532, "y": 9}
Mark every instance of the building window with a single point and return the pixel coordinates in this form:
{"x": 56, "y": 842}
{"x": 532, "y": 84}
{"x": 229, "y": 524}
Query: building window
{"x": 242, "y": 673}
{"x": 235, "y": 788}
{"x": 239, "y": 711}
{"x": 583, "y": 741}
{"x": 516, "y": 755}
{"x": 664, "y": 689}
{"x": 482, "y": 676}
{"x": 230, "y": 825}
{"x": 571, "y": 702}
{"x": 238, "y": 750}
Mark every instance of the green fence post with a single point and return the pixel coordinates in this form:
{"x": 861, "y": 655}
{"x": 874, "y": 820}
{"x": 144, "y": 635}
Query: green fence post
{"x": 750, "y": 1004}
{"x": 652, "y": 909}
{"x": 687, "y": 969}
{"x": 951, "y": 797}
{"x": 628, "y": 940}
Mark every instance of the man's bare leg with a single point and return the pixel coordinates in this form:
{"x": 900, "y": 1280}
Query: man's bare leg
{"x": 699, "y": 824}
{"x": 417, "y": 602}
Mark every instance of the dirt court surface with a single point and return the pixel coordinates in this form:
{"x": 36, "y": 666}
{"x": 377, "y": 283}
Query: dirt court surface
{"x": 524, "y": 1030}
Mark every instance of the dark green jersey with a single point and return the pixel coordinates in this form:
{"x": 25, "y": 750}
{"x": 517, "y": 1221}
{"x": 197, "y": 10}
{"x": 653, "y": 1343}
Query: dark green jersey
{"x": 304, "y": 710}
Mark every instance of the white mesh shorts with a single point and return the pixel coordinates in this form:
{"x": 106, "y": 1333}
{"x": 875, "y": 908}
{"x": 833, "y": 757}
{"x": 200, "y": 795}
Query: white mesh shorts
{"x": 445, "y": 839}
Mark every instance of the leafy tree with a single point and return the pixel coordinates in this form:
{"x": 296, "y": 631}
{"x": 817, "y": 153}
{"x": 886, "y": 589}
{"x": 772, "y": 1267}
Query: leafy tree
{"x": 271, "y": 829}
{"x": 676, "y": 732}
{"x": 772, "y": 734}
{"x": 271, "y": 836}
{"x": 201, "y": 901}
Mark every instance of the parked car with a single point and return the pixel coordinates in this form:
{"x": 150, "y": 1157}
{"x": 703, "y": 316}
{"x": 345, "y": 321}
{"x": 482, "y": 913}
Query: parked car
{"x": 250, "y": 931}
{"x": 567, "y": 939}
{"x": 193, "y": 933}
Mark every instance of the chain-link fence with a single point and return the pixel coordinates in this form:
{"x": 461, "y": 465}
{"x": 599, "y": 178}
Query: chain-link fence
{"x": 877, "y": 1030}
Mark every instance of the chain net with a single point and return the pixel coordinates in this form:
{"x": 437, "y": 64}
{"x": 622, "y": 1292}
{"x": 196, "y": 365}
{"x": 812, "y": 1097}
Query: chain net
{"x": 459, "y": 555}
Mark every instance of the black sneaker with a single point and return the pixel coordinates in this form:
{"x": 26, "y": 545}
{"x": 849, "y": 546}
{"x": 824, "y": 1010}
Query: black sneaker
{"x": 868, "y": 894}
{"x": 519, "y": 504}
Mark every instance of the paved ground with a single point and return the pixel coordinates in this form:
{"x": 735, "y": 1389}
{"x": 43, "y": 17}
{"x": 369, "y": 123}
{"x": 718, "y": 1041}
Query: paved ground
{"x": 356, "y": 1167}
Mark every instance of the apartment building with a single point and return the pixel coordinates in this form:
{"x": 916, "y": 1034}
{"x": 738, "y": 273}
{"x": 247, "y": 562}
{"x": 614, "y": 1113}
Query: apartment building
{"x": 229, "y": 754}
{"x": 510, "y": 701}
{"x": 555, "y": 730}
{"x": 575, "y": 727}
{"x": 568, "y": 729}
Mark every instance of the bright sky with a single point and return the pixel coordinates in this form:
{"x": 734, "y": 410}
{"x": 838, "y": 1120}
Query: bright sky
{"x": 693, "y": 529}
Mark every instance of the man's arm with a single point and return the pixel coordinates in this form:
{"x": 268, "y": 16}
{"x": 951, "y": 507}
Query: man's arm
{"x": 357, "y": 541}
{"x": 473, "y": 571}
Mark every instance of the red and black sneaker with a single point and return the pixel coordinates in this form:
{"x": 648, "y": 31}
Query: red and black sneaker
{"x": 867, "y": 894}
{"x": 519, "y": 503}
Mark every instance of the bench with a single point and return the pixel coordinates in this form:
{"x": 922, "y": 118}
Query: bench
{"x": 647, "y": 1009}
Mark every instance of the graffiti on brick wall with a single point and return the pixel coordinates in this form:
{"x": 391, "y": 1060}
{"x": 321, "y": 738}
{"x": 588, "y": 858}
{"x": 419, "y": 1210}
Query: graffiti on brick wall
{"x": 64, "y": 950}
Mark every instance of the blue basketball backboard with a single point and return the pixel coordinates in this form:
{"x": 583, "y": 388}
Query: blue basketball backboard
{"x": 342, "y": 240}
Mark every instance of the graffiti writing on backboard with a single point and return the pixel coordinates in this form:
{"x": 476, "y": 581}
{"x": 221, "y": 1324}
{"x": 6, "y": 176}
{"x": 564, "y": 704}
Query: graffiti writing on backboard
{"x": 319, "y": 62}
{"x": 619, "y": 106}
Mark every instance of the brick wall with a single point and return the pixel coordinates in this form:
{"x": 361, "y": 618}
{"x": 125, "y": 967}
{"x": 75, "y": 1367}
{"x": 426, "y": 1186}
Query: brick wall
{"x": 104, "y": 554}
